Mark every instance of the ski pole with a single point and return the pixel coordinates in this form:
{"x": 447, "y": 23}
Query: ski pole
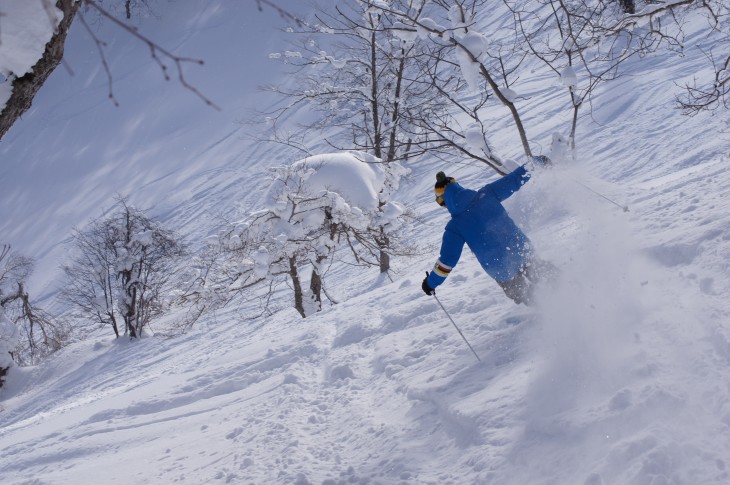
{"x": 455, "y": 326}
{"x": 624, "y": 207}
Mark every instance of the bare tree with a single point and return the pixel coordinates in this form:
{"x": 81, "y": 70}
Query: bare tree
{"x": 353, "y": 72}
{"x": 38, "y": 333}
{"x": 360, "y": 69}
{"x": 465, "y": 47}
{"x": 595, "y": 38}
{"x": 122, "y": 270}
{"x": 591, "y": 37}
{"x": 452, "y": 125}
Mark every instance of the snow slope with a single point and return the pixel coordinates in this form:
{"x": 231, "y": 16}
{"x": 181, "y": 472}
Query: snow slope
{"x": 621, "y": 375}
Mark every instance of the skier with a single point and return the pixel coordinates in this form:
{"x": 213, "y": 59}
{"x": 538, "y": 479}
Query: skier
{"x": 479, "y": 220}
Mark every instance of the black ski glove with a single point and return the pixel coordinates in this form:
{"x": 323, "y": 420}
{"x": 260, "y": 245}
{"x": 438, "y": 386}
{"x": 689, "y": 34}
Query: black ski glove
{"x": 427, "y": 289}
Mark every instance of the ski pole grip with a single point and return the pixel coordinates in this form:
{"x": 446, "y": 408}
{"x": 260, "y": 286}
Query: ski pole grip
{"x": 433, "y": 290}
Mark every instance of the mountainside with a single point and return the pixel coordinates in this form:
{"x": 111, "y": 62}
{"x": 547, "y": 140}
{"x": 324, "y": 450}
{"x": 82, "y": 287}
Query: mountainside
{"x": 619, "y": 375}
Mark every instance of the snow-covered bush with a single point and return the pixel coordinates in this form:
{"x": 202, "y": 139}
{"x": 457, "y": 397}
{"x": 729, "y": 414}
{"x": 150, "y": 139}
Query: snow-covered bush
{"x": 313, "y": 207}
{"x": 122, "y": 270}
{"x": 41, "y": 334}
{"x": 9, "y": 340}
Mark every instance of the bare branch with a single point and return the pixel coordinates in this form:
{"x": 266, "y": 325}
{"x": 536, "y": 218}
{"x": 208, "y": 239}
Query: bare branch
{"x": 710, "y": 96}
{"x": 100, "y": 47}
{"x": 285, "y": 14}
{"x": 156, "y": 49}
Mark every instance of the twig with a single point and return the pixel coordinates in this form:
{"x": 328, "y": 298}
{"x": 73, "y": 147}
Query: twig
{"x": 154, "y": 50}
{"x": 282, "y": 13}
{"x": 100, "y": 46}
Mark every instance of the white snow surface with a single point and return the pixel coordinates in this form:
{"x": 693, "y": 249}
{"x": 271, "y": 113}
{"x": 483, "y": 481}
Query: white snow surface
{"x": 620, "y": 374}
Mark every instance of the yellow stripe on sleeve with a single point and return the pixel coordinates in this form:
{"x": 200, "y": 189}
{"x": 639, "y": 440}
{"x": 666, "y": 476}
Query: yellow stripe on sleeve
{"x": 441, "y": 269}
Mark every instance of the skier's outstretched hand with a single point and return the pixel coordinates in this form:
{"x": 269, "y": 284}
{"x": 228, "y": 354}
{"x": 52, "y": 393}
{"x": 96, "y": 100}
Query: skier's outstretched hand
{"x": 427, "y": 289}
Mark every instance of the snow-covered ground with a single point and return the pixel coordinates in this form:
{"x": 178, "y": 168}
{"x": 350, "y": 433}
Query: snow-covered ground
{"x": 620, "y": 375}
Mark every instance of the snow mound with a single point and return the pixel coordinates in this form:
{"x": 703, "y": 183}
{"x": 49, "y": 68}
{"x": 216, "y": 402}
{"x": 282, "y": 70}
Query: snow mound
{"x": 357, "y": 177}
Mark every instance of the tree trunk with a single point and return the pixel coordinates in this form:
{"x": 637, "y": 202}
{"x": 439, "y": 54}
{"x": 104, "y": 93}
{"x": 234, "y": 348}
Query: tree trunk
{"x": 384, "y": 244}
{"x": 315, "y": 285}
{"x": 3, "y": 373}
{"x": 297, "y": 284}
{"x": 384, "y": 261}
{"x": 114, "y": 324}
{"x": 396, "y": 109}
{"x": 26, "y": 87}
{"x": 130, "y": 305}
{"x": 377, "y": 136}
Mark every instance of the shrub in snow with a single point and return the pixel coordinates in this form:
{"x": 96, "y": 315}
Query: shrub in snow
{"x": 41, "y": 333}
{"x": 9, "y": 340}
{"x": 312, "y": 208}
{"x": 121, "y": 271}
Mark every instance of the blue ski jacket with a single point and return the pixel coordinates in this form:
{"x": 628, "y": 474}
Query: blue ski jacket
{"x": 479, "y": 220}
